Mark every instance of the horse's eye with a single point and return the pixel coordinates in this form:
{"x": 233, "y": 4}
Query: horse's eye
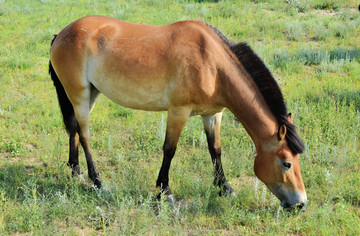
{"x": 286, "y": 165}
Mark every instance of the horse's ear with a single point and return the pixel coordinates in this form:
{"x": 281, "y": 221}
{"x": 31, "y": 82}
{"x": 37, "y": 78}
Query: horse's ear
{"x": 290, "y": 118}
{"x": 281, "y": 132}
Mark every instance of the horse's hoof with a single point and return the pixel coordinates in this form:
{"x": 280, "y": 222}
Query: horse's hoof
{"x": 164, "y": 191}
{"x": 227, "y": 191}
{"x": 170, "y": 199}
{"x": 166, "y": 195}
{"x": 97, "y": 183}
{"x": 76, "y": 171}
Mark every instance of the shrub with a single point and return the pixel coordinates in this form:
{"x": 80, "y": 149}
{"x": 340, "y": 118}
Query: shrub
{"x": 294, "y": 30}
{"x": 300, "y": 5}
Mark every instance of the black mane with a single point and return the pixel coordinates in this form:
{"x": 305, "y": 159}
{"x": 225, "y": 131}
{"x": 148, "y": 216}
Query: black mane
{"x": 267, "y": 86}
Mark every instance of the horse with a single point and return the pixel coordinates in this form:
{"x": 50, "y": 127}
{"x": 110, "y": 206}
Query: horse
{"x": 186, "y": 68}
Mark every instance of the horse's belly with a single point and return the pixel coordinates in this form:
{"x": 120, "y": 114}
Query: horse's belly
{"x": 131, "y": 85}
{"x": 143, "y": 96}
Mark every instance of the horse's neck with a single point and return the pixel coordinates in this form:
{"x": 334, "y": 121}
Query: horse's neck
{"x": 244, "y": 100}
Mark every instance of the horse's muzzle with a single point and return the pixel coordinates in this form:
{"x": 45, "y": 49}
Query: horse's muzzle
{"x": 296, "y": 207}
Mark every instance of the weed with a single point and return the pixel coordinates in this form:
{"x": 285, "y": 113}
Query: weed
{"x": 328, "y": 4}
{"x": 294, "y": 30}
{"x": 300, "y": 5}
{"x": 120, "y": 11}
{"x": 340, "y": 30}
{"x": 225, "y": 9}
{"x": 11, "y": 147}
{"x": 319, "y": 31}
{"x": 327, "y": 61}
{"x": 123, "y": 112}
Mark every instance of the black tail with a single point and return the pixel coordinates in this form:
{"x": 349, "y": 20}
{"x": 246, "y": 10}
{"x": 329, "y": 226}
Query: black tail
{"x": 66, "y": 107}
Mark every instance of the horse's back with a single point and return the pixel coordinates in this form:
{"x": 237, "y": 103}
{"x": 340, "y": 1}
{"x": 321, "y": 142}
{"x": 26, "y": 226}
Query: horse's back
{"x": 138, "y": 66}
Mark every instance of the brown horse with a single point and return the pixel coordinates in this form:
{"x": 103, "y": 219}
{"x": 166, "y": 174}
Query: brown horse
{"x": 186, "y": 68}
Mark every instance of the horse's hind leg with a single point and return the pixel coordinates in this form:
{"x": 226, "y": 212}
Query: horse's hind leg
{"x": 177, "y": 118}
{"x": 74, "y": 135}
{"x": 212, "y": 125}
{"x": 82, "y": 108}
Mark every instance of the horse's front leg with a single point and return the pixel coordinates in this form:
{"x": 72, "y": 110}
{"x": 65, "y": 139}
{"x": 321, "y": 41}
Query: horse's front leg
{"x": 212, "y": 124}
{"x": 177, "y": 118}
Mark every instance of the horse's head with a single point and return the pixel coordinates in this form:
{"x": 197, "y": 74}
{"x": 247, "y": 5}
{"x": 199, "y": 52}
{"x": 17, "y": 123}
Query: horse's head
{"x": 278, "y": 167}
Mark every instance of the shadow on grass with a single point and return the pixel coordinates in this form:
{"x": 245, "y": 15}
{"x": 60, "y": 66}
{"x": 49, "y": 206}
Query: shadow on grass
{"x": 16, "y": 180}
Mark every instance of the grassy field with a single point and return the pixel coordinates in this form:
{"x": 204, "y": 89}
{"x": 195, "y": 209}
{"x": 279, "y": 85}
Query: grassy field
{"x": 312, "y": 48}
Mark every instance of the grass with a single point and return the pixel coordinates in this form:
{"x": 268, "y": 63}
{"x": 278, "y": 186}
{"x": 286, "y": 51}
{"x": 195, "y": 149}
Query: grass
{"x": 312, "y": 49}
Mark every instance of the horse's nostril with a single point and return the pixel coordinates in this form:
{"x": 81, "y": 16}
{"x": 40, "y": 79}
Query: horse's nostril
{"x": 286, "y": 206}
{"x": 298, "y": 206}
{"x": 301, "y": 206}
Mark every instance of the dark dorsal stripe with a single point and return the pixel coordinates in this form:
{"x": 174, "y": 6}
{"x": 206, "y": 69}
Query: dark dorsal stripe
{"x": 267, "y": 86}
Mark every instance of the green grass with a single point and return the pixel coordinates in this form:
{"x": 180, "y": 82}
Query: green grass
{"x": 312, "y": 49}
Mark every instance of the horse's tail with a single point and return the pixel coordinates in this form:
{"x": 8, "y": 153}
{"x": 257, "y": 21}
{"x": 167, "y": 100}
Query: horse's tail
{"x": 66, "y": 107}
